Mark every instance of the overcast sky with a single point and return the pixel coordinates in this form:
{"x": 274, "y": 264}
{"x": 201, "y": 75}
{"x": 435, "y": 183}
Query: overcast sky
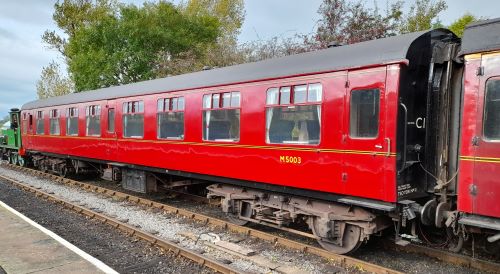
{"x": 22, "y": 22}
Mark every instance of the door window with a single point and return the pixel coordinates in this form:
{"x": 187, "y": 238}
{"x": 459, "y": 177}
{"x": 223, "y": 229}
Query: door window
{"x": 491, "y": 122}
{"x": 111, "y": 120}
{"x": 364, "y": 113}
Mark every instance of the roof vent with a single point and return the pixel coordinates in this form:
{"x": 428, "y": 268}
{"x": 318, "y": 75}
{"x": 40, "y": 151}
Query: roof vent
{"x": 335, "y": 44}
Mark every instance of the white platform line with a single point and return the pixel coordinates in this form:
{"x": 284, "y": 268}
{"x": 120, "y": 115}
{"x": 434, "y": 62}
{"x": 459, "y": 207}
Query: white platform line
{"x": 97, "y": 263}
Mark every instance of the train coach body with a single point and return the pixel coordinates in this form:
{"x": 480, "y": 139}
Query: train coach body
{"x": 347, "y": 139}
{"x": 479, "y": 185}
{"x": 329, "y": 162}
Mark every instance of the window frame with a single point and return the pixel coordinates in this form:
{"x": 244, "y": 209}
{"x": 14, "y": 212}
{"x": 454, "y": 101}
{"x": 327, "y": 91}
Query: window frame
{"x": 220, "y": 95}
{"x": 378, "y": 118}
{"x": 108, "y": 121}
{"x": 292, "y": 104}
{"x": 88, "y": 113}
{"x": 40, "y": 115}
{"x": 483, "y": 136}
{"x": 171, "y": 110}
{"x": 69, "y": 115}
{"x": 24, "y": 123}
{"x": 54, "y": 114}
{"x": 131, "y": 109}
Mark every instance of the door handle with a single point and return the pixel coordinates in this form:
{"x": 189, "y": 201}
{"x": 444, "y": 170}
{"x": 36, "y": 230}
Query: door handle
{"x": 388, "y": 140}
{"x": 378, "y": 146}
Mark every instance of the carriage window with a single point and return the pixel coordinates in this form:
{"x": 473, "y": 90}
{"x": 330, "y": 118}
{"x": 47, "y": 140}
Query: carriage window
{"x": 55, "y": 127}
{"x": 221, "y": 117}
{"x": 364, "y": 113}
{"x": 93, "y": 120}
{"x": 25, "y": 123}
{"x": 170, "y": 118}
{"x": 40, "y": 126}
{"x": 491, "y": 123}
{"x": 72, "y": 121}
{"x": 133, "y": 119}
{"x": 111, "y": 120}
{"x": 30, "y": 122}
{"x": 297, "y": 123}
{"x": 299, "y": 94}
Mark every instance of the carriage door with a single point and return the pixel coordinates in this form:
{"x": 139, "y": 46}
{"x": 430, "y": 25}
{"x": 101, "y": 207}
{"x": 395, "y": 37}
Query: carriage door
{"x": 110, "y": 130}
{"x": 484, "y": 189}
{"x": 365, "y": 143}
{"x": 30, "y": 129}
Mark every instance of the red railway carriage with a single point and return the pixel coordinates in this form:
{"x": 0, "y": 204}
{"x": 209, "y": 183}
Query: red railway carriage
{"x": 479, "y": 184}
{"x": 268, "y": 143}
{"x": 347, "y": 140}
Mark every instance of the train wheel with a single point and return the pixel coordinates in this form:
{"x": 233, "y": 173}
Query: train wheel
{"x": 234, "y": 217}
{"x": 12, "y": 159}
{"x": 64, "y": 172}
{"x": 21, "y": 161}
{"x": 351, "y": 238}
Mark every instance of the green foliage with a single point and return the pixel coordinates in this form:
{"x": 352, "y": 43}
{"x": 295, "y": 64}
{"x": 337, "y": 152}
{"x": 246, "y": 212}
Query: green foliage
{"x": 231, "y": 14}
{"x": 136, "y": 44}
{"x": 52, "y": 83}
{"x": 423, "y": 15}
{"x": 347, "y": 22}
{"x": 71, "y": 15}
{"x": 459, "y": 25}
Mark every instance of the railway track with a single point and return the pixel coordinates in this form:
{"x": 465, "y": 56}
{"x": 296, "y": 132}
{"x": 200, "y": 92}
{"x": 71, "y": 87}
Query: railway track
{"x": 344, "y": 261}
{"x": 130, "y": 230}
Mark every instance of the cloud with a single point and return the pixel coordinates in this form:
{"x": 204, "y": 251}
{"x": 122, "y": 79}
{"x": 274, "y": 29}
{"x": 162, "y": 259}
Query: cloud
{"x": 7, "y": 34}
{"x": 30, "y": 12}
{"x": 22, "y": 53}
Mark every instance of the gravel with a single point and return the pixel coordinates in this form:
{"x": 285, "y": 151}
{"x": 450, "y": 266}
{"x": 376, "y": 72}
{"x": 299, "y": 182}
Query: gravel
{"x": 169, "y": 227}
{"x": 120, "y": 252}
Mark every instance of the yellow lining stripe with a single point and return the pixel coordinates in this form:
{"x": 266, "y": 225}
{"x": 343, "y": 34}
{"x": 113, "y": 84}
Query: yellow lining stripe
{"x": 480, "y": 159}
{"x": 303, "y": 149}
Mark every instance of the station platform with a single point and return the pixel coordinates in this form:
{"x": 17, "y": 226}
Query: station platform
{"x": 27, "y": 247}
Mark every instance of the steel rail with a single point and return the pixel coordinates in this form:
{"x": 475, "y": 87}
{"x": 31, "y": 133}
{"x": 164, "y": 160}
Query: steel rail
{"x": 449, "y": 257}
{"x": 341, "y": 260}
{"x": 130, "y": 230}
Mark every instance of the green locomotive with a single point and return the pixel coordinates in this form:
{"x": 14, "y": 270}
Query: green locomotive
{"x": 10, "y": 139}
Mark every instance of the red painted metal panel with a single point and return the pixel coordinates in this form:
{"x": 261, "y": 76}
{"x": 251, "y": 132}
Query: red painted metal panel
{"x": 365, "y": 172}
{"x": 487, "y": 162}
{"x": 480, "y": 163}
{"x": 251, "y": 158}
{"x": 468, "y": 131}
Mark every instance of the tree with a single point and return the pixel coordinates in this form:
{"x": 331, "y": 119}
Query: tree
{"x": 459, "y": 25}
{"x": 231, "y": 14}
{"x": 272, "y": 48}
{"x": 136, "y": 44}
{"x": 347, "y": 22}
{"x": 71, "y": 15}
{"x": 52, "y": 83}
{"x": 423, "y": 15}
